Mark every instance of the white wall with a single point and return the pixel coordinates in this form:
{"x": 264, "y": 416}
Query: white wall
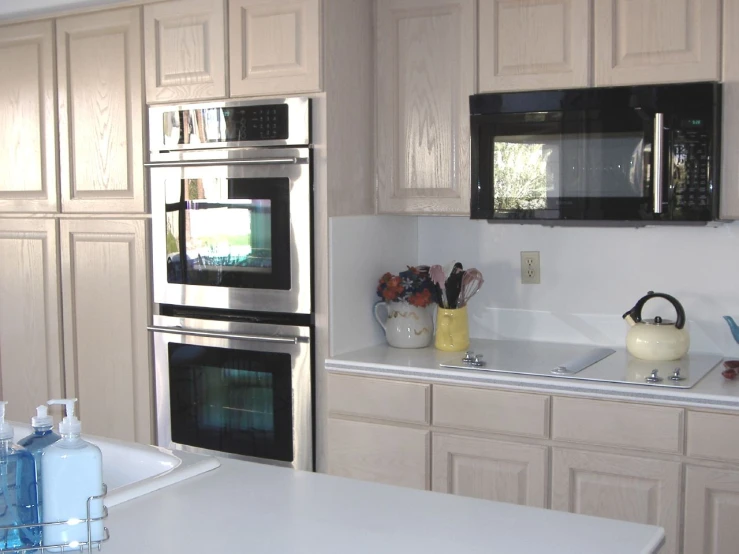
{"x": 590, "y": 276}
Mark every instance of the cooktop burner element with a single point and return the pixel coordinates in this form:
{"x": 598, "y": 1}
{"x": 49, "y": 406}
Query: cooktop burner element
{"x": 588, "y": 363}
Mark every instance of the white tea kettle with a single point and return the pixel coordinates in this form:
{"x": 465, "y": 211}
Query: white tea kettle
{"x": 656, "y": 340}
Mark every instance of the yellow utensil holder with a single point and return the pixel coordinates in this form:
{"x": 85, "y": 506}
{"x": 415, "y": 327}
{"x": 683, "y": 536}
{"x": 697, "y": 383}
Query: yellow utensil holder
{"x": 452, "y": 329}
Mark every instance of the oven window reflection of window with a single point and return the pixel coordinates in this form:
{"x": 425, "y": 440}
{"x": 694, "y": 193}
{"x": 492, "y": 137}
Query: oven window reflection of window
{"x": 525, "y": 173}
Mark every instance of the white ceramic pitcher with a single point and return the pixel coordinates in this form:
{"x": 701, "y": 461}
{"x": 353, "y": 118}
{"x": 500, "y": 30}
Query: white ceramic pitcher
{"x": 405, "y": 325}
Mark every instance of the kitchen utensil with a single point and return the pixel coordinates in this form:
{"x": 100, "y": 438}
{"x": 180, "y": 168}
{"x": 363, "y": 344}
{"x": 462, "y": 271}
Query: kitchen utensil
{"x": 656, "y": 339}
{"x": 439, "y": 279}
{"x": 471, "y": 282}
{"x": 454, "y": 286}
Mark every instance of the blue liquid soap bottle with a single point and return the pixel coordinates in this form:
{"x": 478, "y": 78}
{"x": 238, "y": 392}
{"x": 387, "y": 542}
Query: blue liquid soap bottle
{"x": 43, "y": 435}
{"x": 18, "y": 495}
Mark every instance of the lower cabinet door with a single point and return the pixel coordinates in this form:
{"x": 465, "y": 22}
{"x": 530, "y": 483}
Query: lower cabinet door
{"x": 711, "y": 511}
{"x": 490, "y": 469}
{"x": 379, "y": 453}
{"x": 105, "y": 304}
{"x": 619, "y": 487}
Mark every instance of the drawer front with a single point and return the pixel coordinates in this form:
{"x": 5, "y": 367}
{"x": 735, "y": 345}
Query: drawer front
{"x": 617, "y": 424}
{"x": 713, "y": 436}
{"x": 510, "y": 413}
{"x": 379, "y": 399}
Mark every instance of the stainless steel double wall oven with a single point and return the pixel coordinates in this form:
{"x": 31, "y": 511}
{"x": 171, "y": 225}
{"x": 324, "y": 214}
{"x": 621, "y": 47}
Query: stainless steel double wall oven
{"x": 231, "y": 200}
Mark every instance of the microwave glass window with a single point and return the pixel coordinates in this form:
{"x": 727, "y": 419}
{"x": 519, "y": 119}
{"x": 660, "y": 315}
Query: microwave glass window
{"x": 533, "y": 172}
{"x": 228, "y": 232}
{"x": 234, "y": 401}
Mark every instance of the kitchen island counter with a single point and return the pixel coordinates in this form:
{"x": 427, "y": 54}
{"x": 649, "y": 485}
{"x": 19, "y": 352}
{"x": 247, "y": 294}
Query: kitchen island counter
{"x": 713, "y": 391}
{"x": 247, "y": 507}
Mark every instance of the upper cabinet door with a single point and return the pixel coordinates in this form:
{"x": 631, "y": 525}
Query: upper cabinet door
{"x": 534, "y": 44}
{"x": 100, "y": 112}
{"x": 425, "y": 75}
{"x": 275, "y": 47}
{"x": 27, "y": 119}
{"x": 656, "y": 41}
{"x": 185, "y": 50}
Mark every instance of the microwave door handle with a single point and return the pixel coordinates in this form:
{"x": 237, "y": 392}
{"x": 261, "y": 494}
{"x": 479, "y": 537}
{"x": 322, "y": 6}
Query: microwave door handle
{"x": 657, "y": 160}
{"x": 253, "y": 161}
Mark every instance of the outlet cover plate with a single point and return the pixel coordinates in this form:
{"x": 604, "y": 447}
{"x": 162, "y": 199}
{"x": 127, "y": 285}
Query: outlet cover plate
{"x": 530, "y": 267}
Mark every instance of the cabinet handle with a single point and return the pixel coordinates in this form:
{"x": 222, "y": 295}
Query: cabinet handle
{"x": 657, "y": 154}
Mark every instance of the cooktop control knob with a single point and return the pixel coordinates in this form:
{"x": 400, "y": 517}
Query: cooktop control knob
{"x": 676, "y": 375}
{"x": 478, "y": 362}
{"x": 654, "y": 377}
{"x": 469, "y": 357}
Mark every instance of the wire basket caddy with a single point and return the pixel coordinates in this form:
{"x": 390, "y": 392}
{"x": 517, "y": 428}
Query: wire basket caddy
{"x": 73, "y": 546}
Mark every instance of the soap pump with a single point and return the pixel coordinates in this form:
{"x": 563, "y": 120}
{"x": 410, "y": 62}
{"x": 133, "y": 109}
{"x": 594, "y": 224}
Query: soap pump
{"x": 72, "y": 473}
{"x": 43, "y": 435}
{"x": 17, "y": 492}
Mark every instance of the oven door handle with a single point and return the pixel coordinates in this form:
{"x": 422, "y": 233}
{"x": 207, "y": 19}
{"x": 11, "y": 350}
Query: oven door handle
{"x": 251, "y": 161}
{"x": 256, "y": 338}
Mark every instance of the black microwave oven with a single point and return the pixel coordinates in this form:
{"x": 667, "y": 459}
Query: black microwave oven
{"x": 636, "y": 154}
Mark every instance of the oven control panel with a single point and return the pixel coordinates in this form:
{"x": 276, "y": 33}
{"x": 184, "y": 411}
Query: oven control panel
{"x": 267, "y": 122}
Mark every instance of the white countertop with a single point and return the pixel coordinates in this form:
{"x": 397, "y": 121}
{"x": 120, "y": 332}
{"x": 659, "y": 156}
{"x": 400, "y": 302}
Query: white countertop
{"x": 713, "y": 391}
{"x": 247, "y": 507}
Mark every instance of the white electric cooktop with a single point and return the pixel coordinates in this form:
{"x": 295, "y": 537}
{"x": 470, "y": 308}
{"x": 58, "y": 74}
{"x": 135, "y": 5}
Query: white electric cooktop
{"x": 588, "y": 363}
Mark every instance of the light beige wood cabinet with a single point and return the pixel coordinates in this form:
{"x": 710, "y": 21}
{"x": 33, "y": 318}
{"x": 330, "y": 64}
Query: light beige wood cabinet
{"x": 425, "y": 74}
{"x": 491, "y": 469}
{"x": 30, "y": 318}
{"x": 711, "y": 511}
{"x": 274, "y": 47}
{"x": 106, "y": 344}
{"x": 628, "y": 488}
{"x": 185, "y": 44}
{"x": 101, "y": 122}
{"x": 27, "y": 119}
{"x": 656, "y": 41}
{"x": 379, "y": 453}
{"x": 534, "y": 44}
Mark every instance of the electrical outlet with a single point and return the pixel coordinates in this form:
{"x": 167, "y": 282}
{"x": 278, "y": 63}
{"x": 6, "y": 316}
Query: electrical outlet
{"x": 530, "y": 269}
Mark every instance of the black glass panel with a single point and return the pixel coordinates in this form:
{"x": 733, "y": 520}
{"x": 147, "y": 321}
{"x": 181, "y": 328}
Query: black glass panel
{"x": 228, "y": 232}
{"x": 233, "y": 401}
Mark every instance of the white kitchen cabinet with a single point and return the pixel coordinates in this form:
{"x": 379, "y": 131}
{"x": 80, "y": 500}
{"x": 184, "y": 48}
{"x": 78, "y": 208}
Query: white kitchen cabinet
{"x": 534, "y": 44}
{"x": 106, "y": 344}
{"x": 639, "y": 490}
{"x": 425, "y": 74}
{"x": 101, "y": 122}
{"x": 380, "y": 453}
{"x": 656, "y": 41}
{"x": 30, "y": 316}
{"x": 185, "y": 45}
{"x": 711, "y": 511}
{"x": 490, "y": 469}
{"x": 28, "y": 182}
{"x": 274, "y": 47}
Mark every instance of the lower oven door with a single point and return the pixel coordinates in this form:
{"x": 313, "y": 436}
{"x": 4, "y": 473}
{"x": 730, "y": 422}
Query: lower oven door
{"x": 234, "y": 389}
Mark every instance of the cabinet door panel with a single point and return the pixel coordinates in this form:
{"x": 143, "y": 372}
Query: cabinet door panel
{"x": 27, "y": 119}
{"x": 106, "y": 345}
{"x": 711, "y": 511}
{"x": 30, "y": 337}
{"x": 379, "y": 453}
{"x": 656, "y": 41}
{"x": 632, "y": 489}
{"x": 490, "y": 469}
{"x": 534, "y": 44}
{"x": 425, "y": 74}
{"x": 100, "y": 112}
{"x": 185, "y": 50}
{"x": 275, "y": 48}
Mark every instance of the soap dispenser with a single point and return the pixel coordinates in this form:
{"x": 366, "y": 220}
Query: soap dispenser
{"x": 18, "y": 496}
{"x": 43, "y": 435}
{"x": 72, "y": 472}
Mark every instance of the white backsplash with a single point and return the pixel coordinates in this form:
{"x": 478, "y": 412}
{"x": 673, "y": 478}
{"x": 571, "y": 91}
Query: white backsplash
{"x": 362, "y": 249}
{"x": 590, "y": 276}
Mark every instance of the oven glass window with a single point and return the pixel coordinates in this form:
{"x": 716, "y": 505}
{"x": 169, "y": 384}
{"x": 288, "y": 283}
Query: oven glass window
{"x": 234, "y": 401}
{"x": 229, "y": 232}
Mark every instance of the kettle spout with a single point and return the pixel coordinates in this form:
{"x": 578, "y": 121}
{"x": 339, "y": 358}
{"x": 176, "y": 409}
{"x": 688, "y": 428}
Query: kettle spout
{"x": 733, "y": 326}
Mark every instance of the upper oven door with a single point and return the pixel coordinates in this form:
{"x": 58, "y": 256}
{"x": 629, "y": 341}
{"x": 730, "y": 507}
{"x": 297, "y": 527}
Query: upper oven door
{"x": 233, "y": 233}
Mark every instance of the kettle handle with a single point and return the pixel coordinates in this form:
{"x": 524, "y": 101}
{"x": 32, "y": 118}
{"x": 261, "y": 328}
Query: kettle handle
{"x": 635, "y": 312}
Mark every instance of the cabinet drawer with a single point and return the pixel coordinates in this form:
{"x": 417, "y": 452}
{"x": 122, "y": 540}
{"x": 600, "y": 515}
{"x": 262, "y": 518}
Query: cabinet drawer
{"x": 617, "y": 424}
{"x": 379, "y": 399}
{"x": 713, "y": 436}
{"x": 491, "y": 411}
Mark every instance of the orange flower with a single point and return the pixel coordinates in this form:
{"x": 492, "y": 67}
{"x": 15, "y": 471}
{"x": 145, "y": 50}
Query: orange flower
{"x": 420, "y": 299}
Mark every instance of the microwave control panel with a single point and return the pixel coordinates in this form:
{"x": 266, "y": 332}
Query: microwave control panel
{"x": 691, "y": 176}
